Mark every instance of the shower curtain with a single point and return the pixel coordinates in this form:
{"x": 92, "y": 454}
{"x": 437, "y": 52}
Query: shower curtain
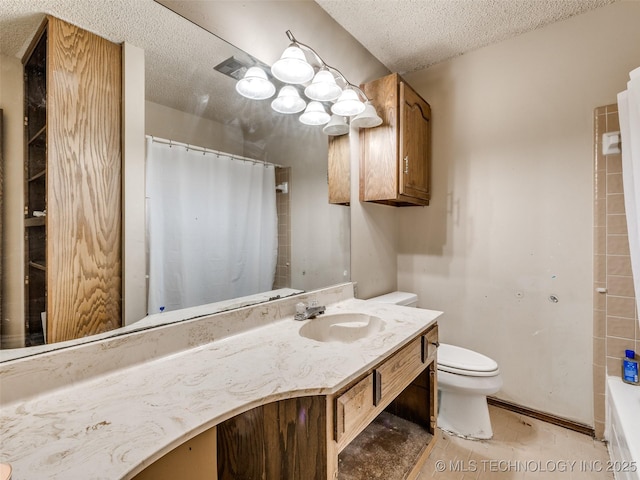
{"x": 629, "y": 113}
{"x": 211, "y": 227}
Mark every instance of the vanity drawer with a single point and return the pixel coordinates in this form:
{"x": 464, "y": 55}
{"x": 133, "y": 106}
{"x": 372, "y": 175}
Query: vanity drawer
{"x": 430, "y": 345}
{"x": 395, "y": 374}
{"x": 360, "y": 404}
{"x": 354, "y": 409}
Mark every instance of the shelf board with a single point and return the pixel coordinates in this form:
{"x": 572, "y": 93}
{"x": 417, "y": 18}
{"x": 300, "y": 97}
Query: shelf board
{"x": 37, "y": 134}
{"x": 390, "y": 447}
{"x": 34, "y": 221}
{"x": 38, "y": 175}
{"x": 38, "y": 265}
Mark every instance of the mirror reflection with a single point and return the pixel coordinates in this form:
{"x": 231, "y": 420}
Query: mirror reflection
{"x": 223, "y": 200}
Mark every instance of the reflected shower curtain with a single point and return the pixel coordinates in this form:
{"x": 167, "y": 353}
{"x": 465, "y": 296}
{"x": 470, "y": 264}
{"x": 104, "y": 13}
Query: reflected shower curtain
{"x": 212, "y": 227}
{"x": 629, "y": 113}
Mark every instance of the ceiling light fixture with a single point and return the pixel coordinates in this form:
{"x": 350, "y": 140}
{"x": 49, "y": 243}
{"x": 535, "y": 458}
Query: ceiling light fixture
{"x": 326, "y": 87}
{"x": 288, "y": 101}
{"x": 255, "y": 85}
{"x": 368, "y": 118}
{"x": 336, "y": 126}
{"x": 315, "y": 114}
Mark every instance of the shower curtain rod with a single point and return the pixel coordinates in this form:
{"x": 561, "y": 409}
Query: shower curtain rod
{"x": 209, "y": 150}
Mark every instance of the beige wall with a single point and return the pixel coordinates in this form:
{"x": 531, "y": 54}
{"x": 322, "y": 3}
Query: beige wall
{"x": 511, "y": 218}
{"x": 172, "y": 124}
{"x": 13, "y": 244}
{"x": 134, "y": 265}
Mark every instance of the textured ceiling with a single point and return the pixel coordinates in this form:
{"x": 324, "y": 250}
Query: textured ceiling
{"x": 405, "y": 35}
{"x": 177, "y": 52}
{"x": 408, "y": 35}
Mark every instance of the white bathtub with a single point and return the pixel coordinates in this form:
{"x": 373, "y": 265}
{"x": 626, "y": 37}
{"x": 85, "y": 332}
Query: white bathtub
{"x": 623, "y": 428}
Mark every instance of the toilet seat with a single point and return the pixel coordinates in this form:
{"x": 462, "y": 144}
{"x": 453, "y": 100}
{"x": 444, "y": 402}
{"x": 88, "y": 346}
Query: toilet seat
{"x": 461, "y": 361}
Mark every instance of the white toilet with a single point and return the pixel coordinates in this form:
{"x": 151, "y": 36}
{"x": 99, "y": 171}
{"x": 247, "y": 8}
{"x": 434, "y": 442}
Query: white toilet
{"x": 465, "y": 378}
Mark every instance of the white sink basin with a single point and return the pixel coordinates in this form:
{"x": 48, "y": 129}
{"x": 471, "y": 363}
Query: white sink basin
{"x": 341, "y": 327}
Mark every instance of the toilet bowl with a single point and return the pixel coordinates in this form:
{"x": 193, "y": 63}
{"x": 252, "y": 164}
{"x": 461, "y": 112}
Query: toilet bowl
{"x": 465, "y": 378}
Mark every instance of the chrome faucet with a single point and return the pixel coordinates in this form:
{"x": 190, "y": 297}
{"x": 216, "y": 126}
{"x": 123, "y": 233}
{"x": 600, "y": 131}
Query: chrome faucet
{"x": 304, "y": 312}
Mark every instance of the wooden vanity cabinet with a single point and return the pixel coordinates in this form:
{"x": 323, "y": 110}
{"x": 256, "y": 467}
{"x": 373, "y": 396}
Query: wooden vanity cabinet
{"x": 395, "y": 157}
{"x": 397, "y": 425}
{"x": 72, "y": 213}
{"x": 389, "y": 412}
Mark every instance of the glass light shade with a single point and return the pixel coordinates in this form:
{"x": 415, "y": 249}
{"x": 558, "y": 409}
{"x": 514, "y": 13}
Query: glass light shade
{"x": 292, "y": 67}
{"x": 314, "y": 114}
{"x": 288, "y": 101}
{"x": 323, "y": 88}
{"x": 348, "y": 104}
{"x": 367, "y": 119}
{"x": 255, "y": 85}
{"x": 336, "y": 126}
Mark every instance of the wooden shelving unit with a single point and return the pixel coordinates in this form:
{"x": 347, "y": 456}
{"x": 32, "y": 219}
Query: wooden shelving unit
{"x": 72, "y": 192}
{"x": 35, "y": 189}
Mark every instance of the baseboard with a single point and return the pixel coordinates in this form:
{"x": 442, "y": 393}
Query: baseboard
{"x": 545, "y": 417}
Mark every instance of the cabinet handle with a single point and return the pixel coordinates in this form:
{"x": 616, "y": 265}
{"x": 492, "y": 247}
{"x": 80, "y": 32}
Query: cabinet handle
{"x": 406, "y": 165}
{"x": 377, "y": 387}
{"x": 424, "y": 352}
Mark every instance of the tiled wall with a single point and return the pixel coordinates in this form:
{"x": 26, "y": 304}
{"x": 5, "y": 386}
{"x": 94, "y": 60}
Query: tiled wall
{"x": 615, "y": 322}
{"x": 283, "y": 207}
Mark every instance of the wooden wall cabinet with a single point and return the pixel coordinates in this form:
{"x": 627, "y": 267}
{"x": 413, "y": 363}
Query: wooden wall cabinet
{"x": 395, "y": 157}
{"x": 72, "y": 125}
{"x": 339, "y": 170}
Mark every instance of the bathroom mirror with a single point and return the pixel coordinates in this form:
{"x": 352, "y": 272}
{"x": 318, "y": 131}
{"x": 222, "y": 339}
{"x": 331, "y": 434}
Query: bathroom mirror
{"x": 184, "y": 93}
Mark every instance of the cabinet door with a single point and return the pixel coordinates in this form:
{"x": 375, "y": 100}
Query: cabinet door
{"x": 83, "y": 183}
{"x": 339, "y": 170}
{"x": 415, "y": 132}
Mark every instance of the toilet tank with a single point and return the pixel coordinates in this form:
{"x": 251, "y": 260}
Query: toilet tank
{"x": 398, "y": 298}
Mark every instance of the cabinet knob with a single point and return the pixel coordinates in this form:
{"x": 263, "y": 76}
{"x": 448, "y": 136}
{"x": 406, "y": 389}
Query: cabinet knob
{"x": 406, "y": 164}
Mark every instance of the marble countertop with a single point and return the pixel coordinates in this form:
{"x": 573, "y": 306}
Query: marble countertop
{"x": 114, "y": 424}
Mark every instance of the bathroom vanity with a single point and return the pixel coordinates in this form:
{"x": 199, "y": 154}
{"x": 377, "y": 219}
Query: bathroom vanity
{"x": 244, "y": 394}
{"x": 387, "y": 415}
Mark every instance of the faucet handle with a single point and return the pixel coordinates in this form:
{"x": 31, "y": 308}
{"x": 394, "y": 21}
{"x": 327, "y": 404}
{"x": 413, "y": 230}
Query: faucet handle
{"x": 301, "y": 307}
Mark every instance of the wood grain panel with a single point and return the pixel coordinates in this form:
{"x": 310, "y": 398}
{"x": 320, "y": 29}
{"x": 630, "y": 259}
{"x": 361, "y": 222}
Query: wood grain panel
{"x": 295, "y": 436}
{"x": 84, "y": 183}
{"x": 400, "y": 370}
{"x": 414, "y": 402}
{"x": 241, "y": 446}
{"x": 354, "y": 410}
{"x": 430, "y": 345}
{"x": 415, "y": 128}
{"x": 395, "y": 157}
{"x": 339, "y": 170}
{"x": 284, "y": 439}
{"x": 379, "y": 145}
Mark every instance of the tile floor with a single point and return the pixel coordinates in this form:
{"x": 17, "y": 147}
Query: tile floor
{"x": 521, "y": 448}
